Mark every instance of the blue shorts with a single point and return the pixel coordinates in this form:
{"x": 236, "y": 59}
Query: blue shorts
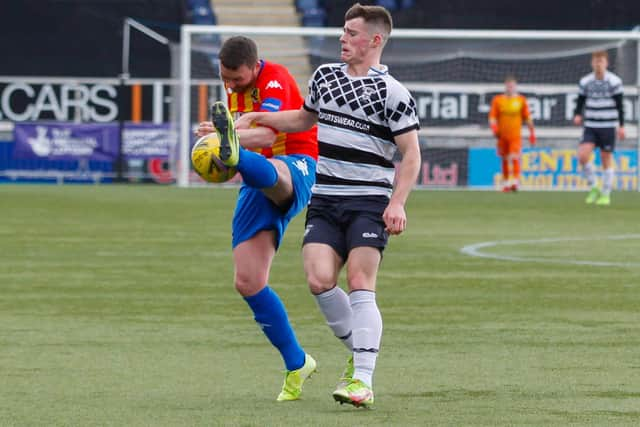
{"x": 255, "y": 212}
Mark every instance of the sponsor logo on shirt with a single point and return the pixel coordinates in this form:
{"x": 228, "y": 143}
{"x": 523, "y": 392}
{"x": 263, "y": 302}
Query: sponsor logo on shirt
{"x": 255, "y": 95}
{"x": 271, "y": 104}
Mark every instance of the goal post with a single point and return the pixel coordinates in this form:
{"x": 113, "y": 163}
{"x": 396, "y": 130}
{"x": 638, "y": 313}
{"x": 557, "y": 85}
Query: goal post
{"x": 452, "y": 74}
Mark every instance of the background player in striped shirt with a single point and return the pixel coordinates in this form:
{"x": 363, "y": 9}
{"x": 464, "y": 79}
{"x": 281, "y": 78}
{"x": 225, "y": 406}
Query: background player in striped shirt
{"x": 365, "y": 116}
{"x": 600, "y": 95}
{"x": 278, "y": 171}
{"x": 508, "y": 111}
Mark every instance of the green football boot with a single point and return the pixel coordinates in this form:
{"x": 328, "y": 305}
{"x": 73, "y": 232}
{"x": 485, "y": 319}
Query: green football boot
{"x": 347, "y": 374}
{"x": 604, "y": 200}
{"x": 355, "y": 393}
{"x": 293, "y": 380}
{"x": 593, "y": 195}
{"x": 229, "y": 141}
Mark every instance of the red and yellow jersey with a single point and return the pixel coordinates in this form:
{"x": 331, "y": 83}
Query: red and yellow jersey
{"x": 509, "y": 113}
{"x": 275, "y": 90}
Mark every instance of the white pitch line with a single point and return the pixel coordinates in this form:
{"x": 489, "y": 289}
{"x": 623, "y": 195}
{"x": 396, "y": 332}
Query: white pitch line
{"x": 475, "y": 250}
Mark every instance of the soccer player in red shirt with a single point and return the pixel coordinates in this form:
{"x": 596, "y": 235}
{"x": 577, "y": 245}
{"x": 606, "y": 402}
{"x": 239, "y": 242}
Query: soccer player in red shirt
{"x": 278, "y": 171}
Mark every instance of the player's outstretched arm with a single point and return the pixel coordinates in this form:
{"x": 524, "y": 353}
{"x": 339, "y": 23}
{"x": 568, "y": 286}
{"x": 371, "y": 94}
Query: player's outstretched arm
{"x": 259, "y": 137}
{"x": 394, "y": 216}
{"x": 284, "y": 121}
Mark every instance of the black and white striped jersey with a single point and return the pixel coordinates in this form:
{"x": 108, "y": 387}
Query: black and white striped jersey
{"x": 600, "y": 108}
{"x": 358, "y": 118}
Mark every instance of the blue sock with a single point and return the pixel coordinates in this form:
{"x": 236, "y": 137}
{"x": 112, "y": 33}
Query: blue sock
{"x": 270, "y": 314}
{"x": 256, "y": 170}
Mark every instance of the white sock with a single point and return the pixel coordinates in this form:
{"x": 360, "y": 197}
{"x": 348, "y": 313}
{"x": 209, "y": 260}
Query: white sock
{"x": 607, "y": 181}
{"x": 367, "y": 333}
{"x": 334, "y": 305}
{"x": 589, "y": 174}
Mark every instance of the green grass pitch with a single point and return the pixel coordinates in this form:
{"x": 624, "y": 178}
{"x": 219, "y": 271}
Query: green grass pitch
{"x": 117, "y": 308}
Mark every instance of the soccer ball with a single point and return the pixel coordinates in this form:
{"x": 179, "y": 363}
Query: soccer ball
{"x": 205, "y": 157}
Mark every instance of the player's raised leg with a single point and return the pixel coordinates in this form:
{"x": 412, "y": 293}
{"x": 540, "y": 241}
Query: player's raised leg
{"x": 229, "y": 141}
{"x": 271, "y": 176}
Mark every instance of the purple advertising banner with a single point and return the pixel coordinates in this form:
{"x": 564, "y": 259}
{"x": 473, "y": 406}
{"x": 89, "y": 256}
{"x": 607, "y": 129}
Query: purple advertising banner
{"x": 148, "y": 140}
{"x": 95, "y": 141}
{"x": 59, "y": 141}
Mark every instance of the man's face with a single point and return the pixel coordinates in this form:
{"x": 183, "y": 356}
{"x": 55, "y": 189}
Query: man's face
{"x": 510, "y": 87}
{"x": 599, "y": 64}
{"x": 240, "y": 79}
{"x": 355, "y": 41}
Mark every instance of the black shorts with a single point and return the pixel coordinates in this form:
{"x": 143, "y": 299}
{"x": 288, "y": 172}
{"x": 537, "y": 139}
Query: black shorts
{"x": 345, "y": 223}
{"x": 603, "y": 138}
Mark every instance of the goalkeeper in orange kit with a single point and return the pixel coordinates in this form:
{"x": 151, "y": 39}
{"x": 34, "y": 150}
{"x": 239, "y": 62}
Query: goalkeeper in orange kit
{"x": 508, "y": 111}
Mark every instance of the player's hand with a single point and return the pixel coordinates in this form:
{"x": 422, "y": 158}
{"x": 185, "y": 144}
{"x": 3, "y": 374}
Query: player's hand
{"x": 395, "y": 219}
{"x": 245, "y": 121}
{"x": 205, "y": 128}
{"x": 532, "y": 138}
{"x": 577, "y": 120}
{"x": 621, "y": 133}
{"x": 494, "y": 129}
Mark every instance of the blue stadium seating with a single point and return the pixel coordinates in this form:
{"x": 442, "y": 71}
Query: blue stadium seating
{"x": 314, "y": 18}
{"x": 304, "y": 5}
{"x": 201, "y": 12}
{"x": 390, "y": 5}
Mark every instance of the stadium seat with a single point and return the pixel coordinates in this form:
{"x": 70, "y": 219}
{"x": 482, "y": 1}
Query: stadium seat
{"x": 314, "y": 18}
{"x": 201, "y": 12}
{"x": 304, "y": 5}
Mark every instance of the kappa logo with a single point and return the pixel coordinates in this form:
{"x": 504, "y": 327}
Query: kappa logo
{"x": 367, "y": 235}
{"x": 274, "y": 84}
{"x": 302, "y": 166}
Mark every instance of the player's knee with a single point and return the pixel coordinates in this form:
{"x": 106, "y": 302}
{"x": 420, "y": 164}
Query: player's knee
{"x": 320, "y": 281}
{"x": 247, "y": 284}
{"x": 583, "y": 157}
{"x": 358, "y": 280}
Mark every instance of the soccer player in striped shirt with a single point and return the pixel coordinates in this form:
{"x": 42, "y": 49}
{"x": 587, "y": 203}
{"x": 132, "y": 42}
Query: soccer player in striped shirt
{"x": 508, "y": 111}
{"x": 364, "y": 117}
{"x": 600, "y": 96}
{"x": 278, "y": 171}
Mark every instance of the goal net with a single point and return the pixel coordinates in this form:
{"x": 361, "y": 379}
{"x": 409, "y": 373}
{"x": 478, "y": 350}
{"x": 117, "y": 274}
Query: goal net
{"x": 453, "y": 75}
